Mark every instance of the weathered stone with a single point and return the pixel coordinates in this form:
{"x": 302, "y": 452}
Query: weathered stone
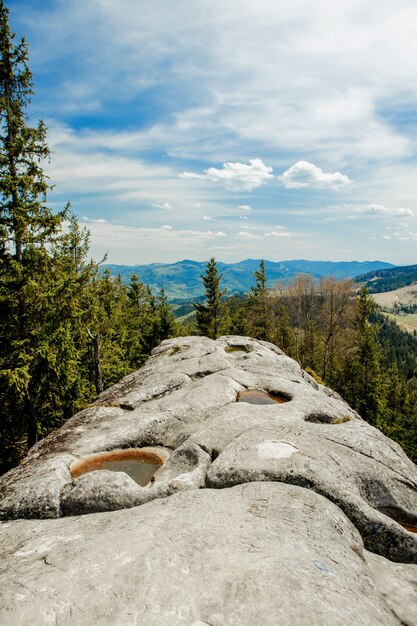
{"x": 258, "y": 516}
{"x": 332, "y": 469}
{"x": 264, "y": 553}
{"x": 397, "y": 583}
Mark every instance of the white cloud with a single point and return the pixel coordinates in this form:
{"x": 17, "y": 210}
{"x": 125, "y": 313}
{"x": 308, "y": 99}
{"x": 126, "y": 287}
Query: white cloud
{"x": 378, "y": 209}
{"x": 208, "y": 218}
{"x": 245, "y": 207}
{"x": 303, "y": 175}
{"x": 166, "y": 206}
{"x": 219, "y": 233}
{"x": 236, "y": 176}
{"x": 278, "y": 234}
{"x": 96, "y": 221}
{"x": 138, "y": 245}
{"x": 217, "y": 91}
{"x": 246, "y": 235}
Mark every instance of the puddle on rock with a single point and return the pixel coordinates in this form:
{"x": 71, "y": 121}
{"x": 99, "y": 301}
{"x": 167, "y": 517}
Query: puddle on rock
{"x": 236, "y": 350}
{"x": 256, "y": 396}
{"x": 409, "y": 527}
{"x": 139, "y": 464}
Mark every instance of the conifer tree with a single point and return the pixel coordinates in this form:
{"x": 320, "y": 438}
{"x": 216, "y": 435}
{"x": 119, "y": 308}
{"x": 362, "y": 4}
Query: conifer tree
{"x": 40, "y": 269}
{"x": 166, "y": 323}
{"x": 210, "y": 316}
{"x": 363, "y": 385}
{"x": 109, "y": 320}
{"x": 237, "y": 315}
{"x": 26, "y": 223}
{"x": 260, "y": 313}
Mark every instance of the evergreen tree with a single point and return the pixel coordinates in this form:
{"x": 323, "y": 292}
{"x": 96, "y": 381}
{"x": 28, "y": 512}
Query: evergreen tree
{"x": 260, "y": 314}
{"x": 237, "y": 315}
{"x": 142, "y": 321}
{"x": 210, "y": 316}
{"x": 42, "y": 273}
{"x": 26, "y": 227}
{"x": 363, "y": 383}
{"x": 109, "y": 319}
{"x": 166, "y": 323}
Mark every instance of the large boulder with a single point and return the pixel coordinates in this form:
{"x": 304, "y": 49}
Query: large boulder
{"x": 294, "y": 512}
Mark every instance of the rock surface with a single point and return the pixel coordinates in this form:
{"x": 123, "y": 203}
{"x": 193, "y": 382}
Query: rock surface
{"x": 263, "y": 514}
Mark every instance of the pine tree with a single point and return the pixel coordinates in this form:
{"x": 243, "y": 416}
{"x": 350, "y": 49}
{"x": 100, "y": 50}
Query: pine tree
{"x": 363, "y": 382}
{"x": 108, "y": 319}
{"x": 166, "y": 323}
{"x": 210, "y": 316}
{"x": 237, "y": 314}
{"x": 42, "y": 268}
{"x": 260, "y": 314}
{"x": 26, "y": 223}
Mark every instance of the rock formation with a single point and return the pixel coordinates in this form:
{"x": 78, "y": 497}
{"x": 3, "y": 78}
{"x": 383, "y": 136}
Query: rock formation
{"x": 294, "y": 512}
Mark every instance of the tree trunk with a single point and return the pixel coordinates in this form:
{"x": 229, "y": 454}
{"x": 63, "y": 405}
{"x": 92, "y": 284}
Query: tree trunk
{"x": 98, "y": 374}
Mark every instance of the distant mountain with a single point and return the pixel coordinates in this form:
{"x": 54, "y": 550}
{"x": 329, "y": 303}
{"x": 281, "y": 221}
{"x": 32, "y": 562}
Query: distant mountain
{"x": 389, "y": 279}
{"x": 182, "y": 280}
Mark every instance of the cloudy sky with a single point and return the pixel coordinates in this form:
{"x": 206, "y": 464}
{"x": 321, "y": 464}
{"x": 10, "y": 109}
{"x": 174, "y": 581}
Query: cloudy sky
{"x": 235, "y": 128}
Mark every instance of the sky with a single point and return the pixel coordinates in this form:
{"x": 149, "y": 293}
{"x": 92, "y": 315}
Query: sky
{"x": 230, "y": 128}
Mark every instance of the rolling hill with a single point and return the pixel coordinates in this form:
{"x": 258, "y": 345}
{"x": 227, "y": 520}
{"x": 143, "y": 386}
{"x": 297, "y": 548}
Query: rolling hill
{"x": 395, "y": 292}
{"x": 388, "y": 279}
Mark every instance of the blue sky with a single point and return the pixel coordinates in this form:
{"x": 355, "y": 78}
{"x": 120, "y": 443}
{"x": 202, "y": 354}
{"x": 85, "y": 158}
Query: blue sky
{"x": 232, "y": 128}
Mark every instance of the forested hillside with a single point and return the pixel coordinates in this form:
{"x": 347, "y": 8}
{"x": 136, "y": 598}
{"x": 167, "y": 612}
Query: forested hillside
{"x": 388, "y": 279}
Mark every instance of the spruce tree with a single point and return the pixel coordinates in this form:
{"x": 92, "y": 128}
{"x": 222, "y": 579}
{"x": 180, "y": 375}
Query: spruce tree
{"x": 363, "y": 381}
{"x": 26, "y": 223}
{"x": 260, "y": 313}
{"x": 210, "y": 317}
{"x": 42, "y": 270}
{"x": 166, "y": 322}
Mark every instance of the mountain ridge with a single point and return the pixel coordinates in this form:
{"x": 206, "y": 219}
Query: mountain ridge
{"x": 182, "y": 279}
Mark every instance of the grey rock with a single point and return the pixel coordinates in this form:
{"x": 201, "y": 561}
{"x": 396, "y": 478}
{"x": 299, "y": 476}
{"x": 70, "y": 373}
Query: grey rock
{"x": 283, "y": 452}
{"x": 261, "y": 553}
{"x": 397, "y": 583}
{"x": 256, "y": 507}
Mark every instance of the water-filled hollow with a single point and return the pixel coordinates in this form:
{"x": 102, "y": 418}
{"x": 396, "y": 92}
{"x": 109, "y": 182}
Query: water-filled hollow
{"x": 409, "y": 527}
{"x": 139, "y": 464}
{"x": 237, "y": 350}
{"x": 256, "y": 396}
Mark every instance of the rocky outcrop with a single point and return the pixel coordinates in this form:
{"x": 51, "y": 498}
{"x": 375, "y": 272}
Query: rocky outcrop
{"x": 286, "y": 513}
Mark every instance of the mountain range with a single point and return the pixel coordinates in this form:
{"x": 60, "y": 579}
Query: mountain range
{"x": 182, "y": 280}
